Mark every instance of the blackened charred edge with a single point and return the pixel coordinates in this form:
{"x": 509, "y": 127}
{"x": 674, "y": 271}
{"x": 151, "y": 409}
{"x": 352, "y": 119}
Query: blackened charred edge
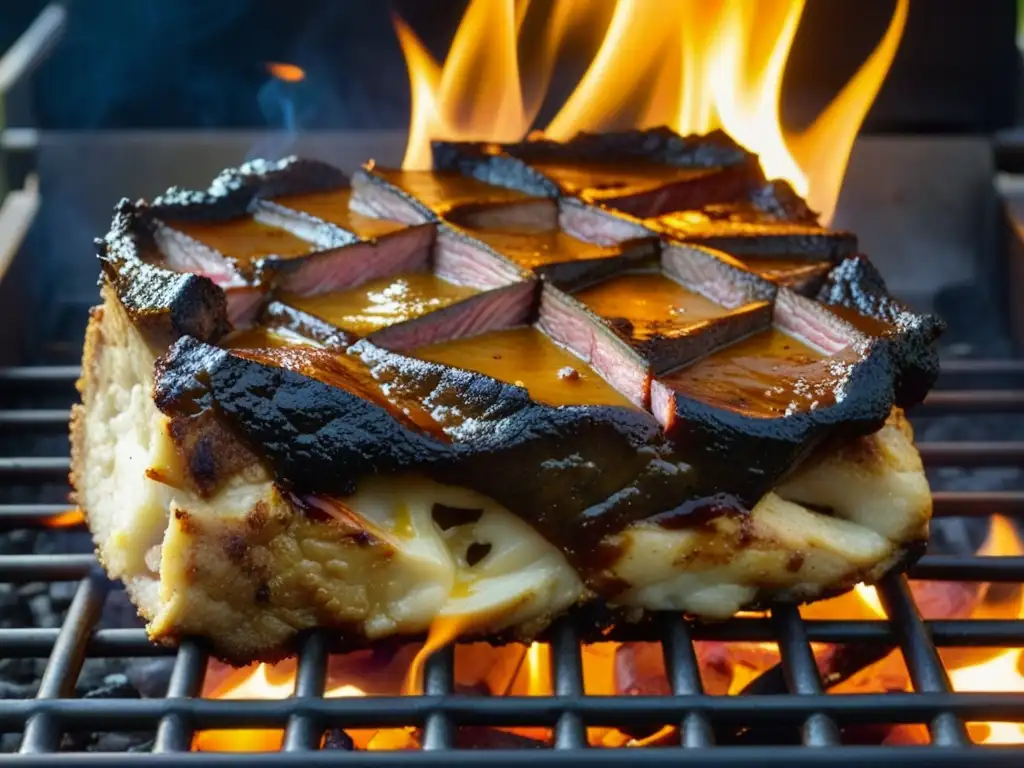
{"x": 779, "y": 200}
{"x": 658, "y": 145}
{"x": 489, "y": 164}
{"x": 233, "y": 191}
{"x": 769, "y": 241}
{"x": 164, "y": 305}
{"x": 510, "y": 165}
{"x": 277, "y": 314}
{"x": 575, "y": 472}
{"x": 856, "y": 285}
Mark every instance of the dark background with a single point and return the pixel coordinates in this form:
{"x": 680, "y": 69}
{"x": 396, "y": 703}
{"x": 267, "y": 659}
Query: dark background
{"x": 202, "y": 63}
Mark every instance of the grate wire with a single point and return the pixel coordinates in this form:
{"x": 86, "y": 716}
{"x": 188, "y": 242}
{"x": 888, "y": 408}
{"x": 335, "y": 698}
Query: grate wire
{"x": 964, "y": 388}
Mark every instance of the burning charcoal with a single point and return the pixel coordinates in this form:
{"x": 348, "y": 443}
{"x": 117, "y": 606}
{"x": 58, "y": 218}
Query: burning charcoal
{"x": 336, "y": 738}
{"x": 113, "y": 687}
{"x": 478, "y": 688}
{"x": 145, "y": 746}
{"x": 150, "y": 677}
{"x": 640, "y": 670}
{"x": 482, "y": 737}
{"x": 10, "y": 690}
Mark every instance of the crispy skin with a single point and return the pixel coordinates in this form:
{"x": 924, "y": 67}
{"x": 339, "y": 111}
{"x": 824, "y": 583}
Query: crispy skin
{"x": 249, "y": 568}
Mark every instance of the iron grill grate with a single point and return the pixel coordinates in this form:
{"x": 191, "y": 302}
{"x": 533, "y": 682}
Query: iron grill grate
{"x": 967, "y": 387}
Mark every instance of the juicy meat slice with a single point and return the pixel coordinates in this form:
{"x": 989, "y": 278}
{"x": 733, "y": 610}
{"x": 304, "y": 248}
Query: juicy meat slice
{"x": 635, "y": 325}
{"x": 540, "y": 244}
{"x": 764, "y": 403}
{"x": 417, "y": 197}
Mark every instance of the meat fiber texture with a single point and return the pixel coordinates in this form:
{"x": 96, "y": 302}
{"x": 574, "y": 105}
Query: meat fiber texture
{"x": 226, "y": 523}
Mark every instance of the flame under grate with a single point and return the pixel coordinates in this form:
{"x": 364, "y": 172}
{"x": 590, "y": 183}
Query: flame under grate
{"x": 31, "y": 394}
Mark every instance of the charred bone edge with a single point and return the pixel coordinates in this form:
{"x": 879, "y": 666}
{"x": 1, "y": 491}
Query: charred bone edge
{"x": 249, "y": 572}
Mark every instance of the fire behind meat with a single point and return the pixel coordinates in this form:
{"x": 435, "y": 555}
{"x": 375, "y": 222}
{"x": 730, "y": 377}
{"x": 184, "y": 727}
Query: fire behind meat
{"x": 613, "y": 376}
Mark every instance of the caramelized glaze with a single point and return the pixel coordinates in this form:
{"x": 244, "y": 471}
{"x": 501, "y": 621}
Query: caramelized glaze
{"x": 604, "y": 179}
{"x": 245, "y": 241}
{"x": 769, "y": 374}
{"x": 382, "y": 302}
{"x": 441, "y": 190}
{"x": 655, "y": 305}
{"x": 872, "y": 326}
{"x": 535, "y": 246}
{"x": 265, "y": 338}
{"x": 526, "y": 357}
{"x": 333, "y": 207}
{"x": 783, "y": 270}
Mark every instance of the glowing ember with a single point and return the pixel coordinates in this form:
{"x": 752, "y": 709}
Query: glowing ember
{"x": 289, "y": 73}
{"x": 693, "y": 65}
{"x": 68, "y": 519}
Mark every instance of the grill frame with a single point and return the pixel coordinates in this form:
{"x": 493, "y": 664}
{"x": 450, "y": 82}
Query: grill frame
{"x": 966, "y": 387}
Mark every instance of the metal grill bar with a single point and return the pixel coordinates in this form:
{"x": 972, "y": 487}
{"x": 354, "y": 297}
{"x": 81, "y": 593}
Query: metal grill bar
{"x": 684, "y": 677}
{"x": 174, "y": 733}
{"x": 567, "y": 681}
{"x": 923, "y": 663}
{"x": 304, "y": 733}
{"x": 720, "y": 757}
{"x": 17, "y": 643}
{"x": 944, "y": 402}
{"x": 43, "y": 732}
{"x": 440, "y": 712}
{"x": 511, "y": 711}
{"x": 439, "y": 680}
{"x": 802, "y": 675}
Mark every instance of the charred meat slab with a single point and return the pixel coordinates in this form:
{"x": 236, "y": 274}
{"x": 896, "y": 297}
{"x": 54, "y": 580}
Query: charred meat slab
{"x": 502, "y": 390}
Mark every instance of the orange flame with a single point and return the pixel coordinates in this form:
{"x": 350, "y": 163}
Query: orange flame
{"x": 693, "y": 65}
{"x": 289, "y": 73}
{"x": 1003, "y": 672}
{"x": 67, "y": 519}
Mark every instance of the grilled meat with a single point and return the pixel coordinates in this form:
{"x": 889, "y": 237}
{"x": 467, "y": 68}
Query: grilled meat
{"x": 486, "y": 392}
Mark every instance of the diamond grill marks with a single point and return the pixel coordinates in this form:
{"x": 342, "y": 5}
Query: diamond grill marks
{"x": 704, "y": 190}
{"x": 628, "y": 310}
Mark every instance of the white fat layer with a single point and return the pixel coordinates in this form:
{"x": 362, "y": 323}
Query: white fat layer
{"x": 127, "y": 510}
